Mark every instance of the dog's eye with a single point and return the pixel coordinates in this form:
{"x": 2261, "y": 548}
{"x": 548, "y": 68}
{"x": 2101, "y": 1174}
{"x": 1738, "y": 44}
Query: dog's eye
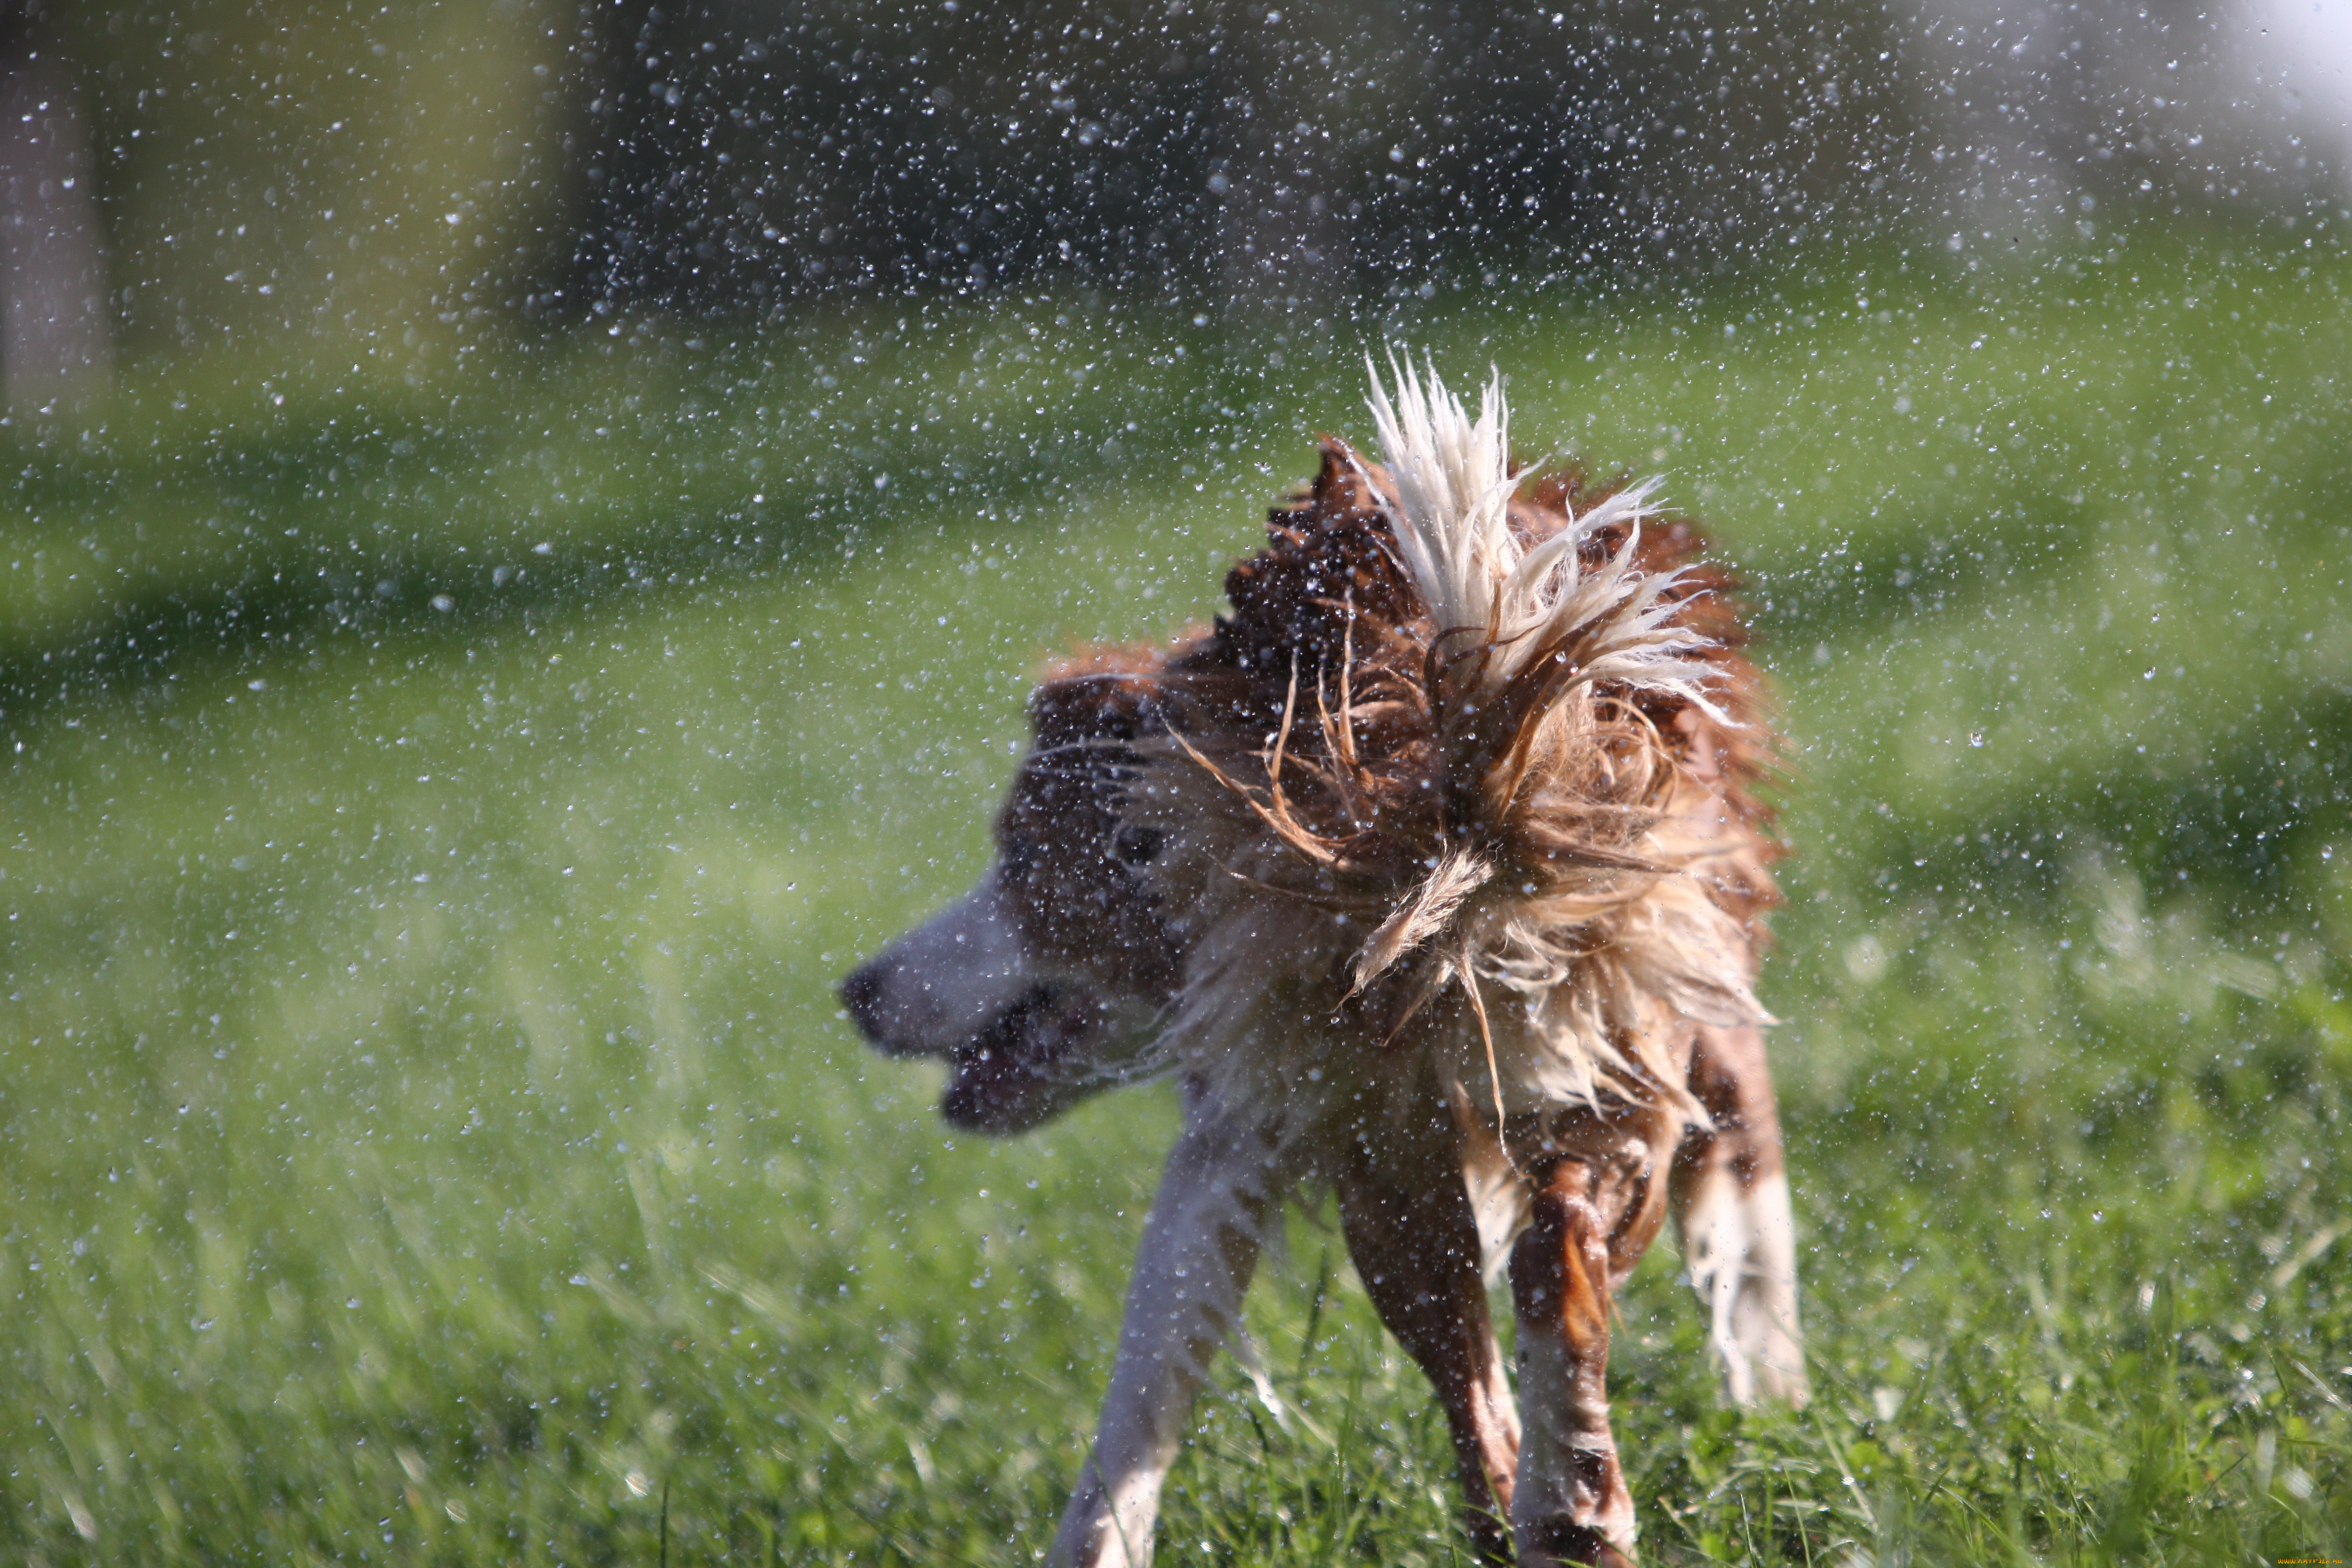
{"x": 1136, "y": 845}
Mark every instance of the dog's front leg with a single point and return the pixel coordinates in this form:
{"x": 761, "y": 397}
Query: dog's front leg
{"x": 1199, "y": 1247}
{"x": 1413, "y": 1233}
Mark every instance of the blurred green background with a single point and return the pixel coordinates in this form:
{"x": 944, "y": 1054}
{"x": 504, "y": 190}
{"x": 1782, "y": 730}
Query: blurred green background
{"x": 475, "y": 670}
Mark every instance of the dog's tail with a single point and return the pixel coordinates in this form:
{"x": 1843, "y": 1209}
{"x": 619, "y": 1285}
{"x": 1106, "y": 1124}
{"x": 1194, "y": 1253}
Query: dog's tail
{"x": 1521, "y": 624}
{"x": 1524, "y": 637}
{"x": 1547, "y": 655}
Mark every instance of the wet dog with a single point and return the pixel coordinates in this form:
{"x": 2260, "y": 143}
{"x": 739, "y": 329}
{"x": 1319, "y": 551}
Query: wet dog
{"x": 1435, "y": 872}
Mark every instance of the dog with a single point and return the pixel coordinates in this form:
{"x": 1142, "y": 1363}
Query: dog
{"x": 1435, "y": 870}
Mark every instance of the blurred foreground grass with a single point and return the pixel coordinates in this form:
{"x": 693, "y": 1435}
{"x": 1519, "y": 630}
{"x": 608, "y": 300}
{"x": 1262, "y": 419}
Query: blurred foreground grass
{"x": 425, "y": 1130}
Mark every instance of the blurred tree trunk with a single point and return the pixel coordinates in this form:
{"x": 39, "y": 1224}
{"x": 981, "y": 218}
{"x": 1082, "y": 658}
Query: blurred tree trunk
{"x": 55, "y": 341}
{"x": 1279, "y": 243}
{"x": 1281, "y": 246}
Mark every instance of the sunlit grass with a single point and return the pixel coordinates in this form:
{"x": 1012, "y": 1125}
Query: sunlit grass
{"x": 427, "y": 1129}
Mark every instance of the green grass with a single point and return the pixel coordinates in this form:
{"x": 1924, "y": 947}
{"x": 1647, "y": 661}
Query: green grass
{"x": 426, "y": 1132}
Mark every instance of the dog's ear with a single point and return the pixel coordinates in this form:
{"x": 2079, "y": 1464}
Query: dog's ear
{"x": 1344, "y": 481}
{"x": 1326, "y": 568}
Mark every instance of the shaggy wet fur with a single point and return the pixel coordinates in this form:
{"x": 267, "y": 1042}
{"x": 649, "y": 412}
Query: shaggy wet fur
{"x": 1435, "y": 869}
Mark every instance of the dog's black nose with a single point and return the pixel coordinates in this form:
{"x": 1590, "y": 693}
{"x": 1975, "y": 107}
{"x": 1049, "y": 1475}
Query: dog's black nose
{"x": 862, "y": 994}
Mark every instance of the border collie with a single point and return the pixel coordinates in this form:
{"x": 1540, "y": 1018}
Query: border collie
{"x": 1435, "y": 872}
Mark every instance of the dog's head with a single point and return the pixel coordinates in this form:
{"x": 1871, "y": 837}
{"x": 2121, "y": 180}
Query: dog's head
{"x": 1040, "y": 986}
{"x": 1023, "y": 1039}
